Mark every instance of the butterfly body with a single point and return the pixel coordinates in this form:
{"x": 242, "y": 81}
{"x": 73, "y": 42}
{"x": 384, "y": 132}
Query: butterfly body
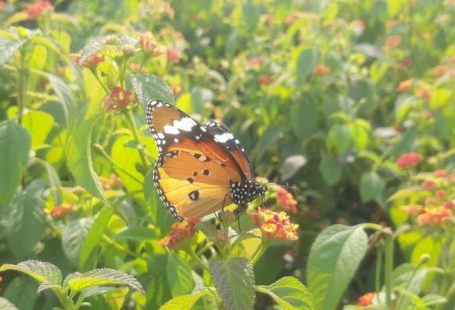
{"x": 200, "y": 168}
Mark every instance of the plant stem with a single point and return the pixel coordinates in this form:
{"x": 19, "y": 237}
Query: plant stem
{"x": 129, "y": 116}
{"x": 21, "y": 86}
{"x": 261, "y": 250}
{"x": 388, "y": 267}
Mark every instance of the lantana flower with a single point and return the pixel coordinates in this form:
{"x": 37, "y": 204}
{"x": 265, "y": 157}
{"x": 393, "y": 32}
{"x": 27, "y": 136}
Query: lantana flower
{"x": 181, "y": 234}
{"x": 286, "y": 200}
{"x": 275, "y": 225}
{"x": 149, "y": 45}
{"x": 437, "y": 216}
{"x": 321, "y": 70}
{"x": 38, "y": 8}
{"x": 366, "y": 299}
{"x": 408, "y": 160}
{"x": 118, "y": 98}
{"x": 61, "y": 210}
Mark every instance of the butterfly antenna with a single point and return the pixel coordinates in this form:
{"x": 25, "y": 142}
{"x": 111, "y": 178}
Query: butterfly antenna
{"x": 285, "y": 186}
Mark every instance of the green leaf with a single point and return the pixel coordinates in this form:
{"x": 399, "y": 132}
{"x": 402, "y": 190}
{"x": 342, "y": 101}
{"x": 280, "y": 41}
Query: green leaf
{"x": 26, "y": 224}
{"x": 334, "y": 257}
{"x": 331, "y": 170}
{"x": 101, "y": 277}
{"x": 433, "y": 299}
{"x": 38, "y": 57}
{"x": 73, "y": 237}
{"x": 179, "y": 275}
{"x": 22, "y": 292}
{"x": 304, "y": 117}
{"x": 184, "y": 302}
{"x": 432, "y": 246}
{"x": 371, "y": 187}
{"x": 94, "y": 236}
{"x": 289, "y": 293}
{"x": 136, "y": 233}
{"x": 6, "y": 305}
{"x": 308, "y": 59}
{"x": 79, "y": 158}
{"x": 66, "y": 99}
{"x": 150, "y": 86}
{"x": 39, "y": 125}
{"x": 9, "y": 46}
{"x": 43, "y": 272}
{"x": 234, "y": 282}
{"x": 339, "y": 139}
{"x": 15, "y": 145}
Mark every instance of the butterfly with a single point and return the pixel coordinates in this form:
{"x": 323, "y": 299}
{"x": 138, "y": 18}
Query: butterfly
{"x": 200, "y": 168}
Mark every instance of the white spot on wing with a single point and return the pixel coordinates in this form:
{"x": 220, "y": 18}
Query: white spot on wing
{"x": 223, "y": 138}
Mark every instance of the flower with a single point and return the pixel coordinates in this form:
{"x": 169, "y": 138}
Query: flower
{"x": 404, "y": 86}
{"x": 113, "y": 182}
{"x": 149, "y": 45}
{"x": 61, "y": 210}
{"x": 92, "y": 61}
{"x": 265, "y": 80}
{"x": 138, "y": 68}
{"x": 392, "y": 41}
{"x": 173, "y": 55}
{"x": 255, "y": 62}
{"x": 366, "y": 299}
{"x": 285, "y": 200}
{"x": 321, "y": 70}
{"x": 441, "y": 70}
{"x": 423, "y": 92}
{"x": 440, "y": 173}
{"x": 434, "y": 216}
{"x": 412, "y": 210}
{"x": 440, "y": 193}
{"x": 275, "y": 225}
{"x": 181, "y": 234}
{"x": 76, "y": 58}
{"x": 358, "y": 27}
{"x": 38, "y": 8}
{"x": 118, "y": 98}
{"x": 428, "y": 185}
{"x": 408, "y": 160}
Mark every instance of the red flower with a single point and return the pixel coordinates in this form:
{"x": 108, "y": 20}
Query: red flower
{"x": 392, "y": 42}
{"x": 181, "y": 234}
{"x": 321, "y": 70}
{"x": 408, "y": 160}
{"x": 441, "y": 70}
{"x": 173, "y": 55}
{"x": 275, "y": 225}
{"x": 38, "y": 8}
{"x": 358, "y": 27}
{"x": 404, "y": 86}
{"x": 440, "y": 173}
{"x": 366, "y": 299}
{"x": 92, "y": 61}
{"x": 428, "y": 185}
{"x": 61, "y": 210}
{"x": 434, "y": 216}
{"x": 285, "y": 200}
{"x": 255, "y": 61}
{"x": 118, "y": 98}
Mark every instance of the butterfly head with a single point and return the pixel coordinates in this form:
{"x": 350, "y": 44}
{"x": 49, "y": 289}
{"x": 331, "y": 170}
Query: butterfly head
{"x": 246, "y": 191}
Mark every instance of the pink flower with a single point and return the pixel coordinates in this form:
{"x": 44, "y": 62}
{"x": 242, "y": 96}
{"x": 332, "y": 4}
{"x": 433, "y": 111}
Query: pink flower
{"x": 118, "y": 98}
{"x": 173, "y": 55}
{"x": 392, "y": 42}
{"x": 366, "y": 299}
{"x": 38, "y": 8}
{"x": 408, "y": 160}
{"x": 181, "y": 234}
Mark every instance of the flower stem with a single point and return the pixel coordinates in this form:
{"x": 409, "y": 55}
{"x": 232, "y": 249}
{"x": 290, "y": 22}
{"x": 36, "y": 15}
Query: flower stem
{"x": 388, "y": 267}
{"x": 21, "y": 86}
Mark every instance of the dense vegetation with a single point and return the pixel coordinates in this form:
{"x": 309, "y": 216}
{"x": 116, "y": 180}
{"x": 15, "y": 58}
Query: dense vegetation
{"x": 346, "y": 106}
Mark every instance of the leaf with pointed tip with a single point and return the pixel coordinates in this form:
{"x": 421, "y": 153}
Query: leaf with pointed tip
{"x": 101, "y": 277}
{"x": 43, "y": 272}
{"x": 184, "y": 302}
{"x": 9, "y": 46}
{"x": 150, "y": 86}
{"x": 234, "y": 282}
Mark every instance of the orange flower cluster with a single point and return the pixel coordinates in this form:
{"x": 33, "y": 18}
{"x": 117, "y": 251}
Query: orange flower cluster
{"x": 392, "y": 42}
{"x": 436, "y": 210}
{"x": 173, "y": 55}
{"x": 286, "y": 200}
{"x": 321, "y": 70}
{"x": 366, "y": 299}
{"x": 90, "y": 62}
{"x": 118, "y": 98}
{"x": 404, "y": 86}
{"x": 275, "y": 225}
{"x": 408, "y": 160}
{"x": 149, "y": 45}
{"x": 38, "y": 8}
{"x": 265, "y": 80}
{"x": 61, "y": 210}
{"x": 181, "y": 233}
{"x": 113, "y": 182}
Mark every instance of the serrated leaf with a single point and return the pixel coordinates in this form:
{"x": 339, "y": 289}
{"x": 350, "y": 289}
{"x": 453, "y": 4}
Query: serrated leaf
{"x": 6, "y": 305}
{"x": 26, "y": 224}
{"x": 289, "y": 293}
{"x": 9, "y": 46}
{"x": 73, "y": 237}
{"x": 94, "y": 236}
{"x": 150, "y": 86}
{"x": 234, "y": 282}
{"x": 184, "y": 302}
{"x": 43, "y": 272}
{"x": 101, "y": 277}
{"x": 79, "y": 158}
{"x": 334, "y": 258}
{"x": 15, "y": 145}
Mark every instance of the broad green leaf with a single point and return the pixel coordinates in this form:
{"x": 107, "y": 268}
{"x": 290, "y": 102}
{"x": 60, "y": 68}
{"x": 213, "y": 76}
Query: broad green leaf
{"x": 360, "y": 130}
{"x": 251, "y": 13}
{"x": 15, "y": 145}
{"x": 289, "y": 293}
{"x": 79, "y": 158}
{"x": 304, "y": 117}
{"x": 39, "y": 125}
{"x": 101, "y": 277}
{"x": 371, "y": 187}
{"x": 429, "y": 245}
{"x": 158, "y": 289}
{"x": 184, "y": 302}
{"x": 433, "y": 299}
{"x": 26, "y": 224}
{"x": 339, "y": 139}
{"x": 234, "y": 282}
{"x": 308, "y": 59}
{"x": 149, "y": 86}
{"x": 73, "y": 236}
{"x": 179, "y": 275}
{"x": 6, "y": 305}
{"x": 66, "y": 99}
{"x": 22, "y": 293}
{"x": 334, "y": 258}
{"x": 136, "y": 233}
{"x": 94, "y": 236}
{"x": 331, "y": 169}
{"x": 9, "y": 46}
{"x": 43, "y": 272}
{"x": 38, "y": 58}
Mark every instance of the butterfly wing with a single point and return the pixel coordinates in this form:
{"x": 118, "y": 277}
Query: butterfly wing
{"x": 192, "y": 185}
{"x": 224, "y": 137}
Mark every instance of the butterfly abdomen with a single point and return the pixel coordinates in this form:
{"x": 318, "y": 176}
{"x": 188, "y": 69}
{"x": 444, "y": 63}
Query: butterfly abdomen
{"x": 246, "y": 191}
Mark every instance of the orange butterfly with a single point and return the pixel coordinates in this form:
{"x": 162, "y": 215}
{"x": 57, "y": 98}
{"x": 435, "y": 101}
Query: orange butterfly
{"x": 201, "y": 168}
